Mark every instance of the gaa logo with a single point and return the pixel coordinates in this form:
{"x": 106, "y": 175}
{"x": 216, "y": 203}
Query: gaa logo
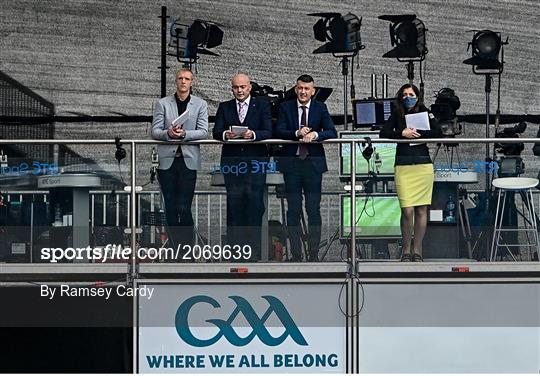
{"x": 226, "y": 330}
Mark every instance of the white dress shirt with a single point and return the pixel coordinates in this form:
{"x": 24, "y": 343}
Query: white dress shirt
{"x": 307, "y": 105}
{"x": 246, "y": 103}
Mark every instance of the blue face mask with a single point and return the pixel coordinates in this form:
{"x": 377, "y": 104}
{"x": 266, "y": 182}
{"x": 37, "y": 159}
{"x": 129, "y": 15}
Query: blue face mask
{"x": 409, "y": 102}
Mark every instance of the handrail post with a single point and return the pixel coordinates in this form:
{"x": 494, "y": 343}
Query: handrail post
{"x": 352, "y": 267}
{"x": 353, "y": 205}
{"x": 133, "y": 220}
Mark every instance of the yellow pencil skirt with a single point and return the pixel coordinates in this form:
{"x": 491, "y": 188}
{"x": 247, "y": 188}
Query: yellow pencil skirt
{"x": 414, "y": 184}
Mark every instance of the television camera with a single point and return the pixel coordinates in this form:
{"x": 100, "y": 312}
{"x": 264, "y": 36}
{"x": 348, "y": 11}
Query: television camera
{"x": 276, "y": 97}
{"x": 510, "y": 164}
{"x": 444, "y": 109}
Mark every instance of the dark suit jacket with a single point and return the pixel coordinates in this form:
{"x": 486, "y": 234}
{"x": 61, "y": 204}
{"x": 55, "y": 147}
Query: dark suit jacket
{"x": 319, "y": 120}
{"x": 258, "y": 119}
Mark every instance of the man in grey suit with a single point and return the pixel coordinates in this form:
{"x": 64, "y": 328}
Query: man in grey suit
{"x": 178, "y": 163}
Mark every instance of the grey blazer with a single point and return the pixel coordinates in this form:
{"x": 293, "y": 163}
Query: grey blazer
{"x": 165, "y": 111}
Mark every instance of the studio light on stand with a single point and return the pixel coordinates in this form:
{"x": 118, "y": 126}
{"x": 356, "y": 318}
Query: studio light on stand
{"x": 188, "y": 41}
{"x": 342, "y": 37}
{"x": 487, "y": 59}
{"x": 408, "y": 37}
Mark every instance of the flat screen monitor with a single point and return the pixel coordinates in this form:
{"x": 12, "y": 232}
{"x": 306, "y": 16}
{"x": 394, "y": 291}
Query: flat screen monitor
{"x": 382, "y": 160}
{"x": 372, "y": 112}
{"x": 377, "y": 216}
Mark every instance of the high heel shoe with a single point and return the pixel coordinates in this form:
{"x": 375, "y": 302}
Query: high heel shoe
{"x": 417, "y": 257}
{"x": 405, "y": 257}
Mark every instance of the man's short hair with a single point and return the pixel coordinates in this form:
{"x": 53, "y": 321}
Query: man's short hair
{"x": 183, "y": 69}
{"x": 305, "y": 78}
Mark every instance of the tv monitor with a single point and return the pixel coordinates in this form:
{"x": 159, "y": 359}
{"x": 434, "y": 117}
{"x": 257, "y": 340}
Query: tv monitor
{"x": 383, "y": 153}
{"x": 377, "y": 216}
{"x": 372, "y": 112}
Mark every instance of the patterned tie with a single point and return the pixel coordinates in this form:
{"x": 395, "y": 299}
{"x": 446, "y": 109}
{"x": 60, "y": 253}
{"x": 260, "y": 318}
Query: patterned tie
{"x": 242, "y": 107}
{"x": 302, "y": 148}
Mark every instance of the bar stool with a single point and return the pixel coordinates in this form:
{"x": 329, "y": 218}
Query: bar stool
{"x": 524, "y": 187}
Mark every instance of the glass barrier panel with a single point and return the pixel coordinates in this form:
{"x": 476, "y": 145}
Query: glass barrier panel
{"x": 64, "y": 205}
{"x": 72, "y": 203}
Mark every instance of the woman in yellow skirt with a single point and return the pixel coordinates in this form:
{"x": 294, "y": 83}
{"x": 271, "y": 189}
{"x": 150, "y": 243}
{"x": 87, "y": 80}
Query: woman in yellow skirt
{"x": 413, "y": 169}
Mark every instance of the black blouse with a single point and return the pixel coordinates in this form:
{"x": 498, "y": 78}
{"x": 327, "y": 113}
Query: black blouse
{"x": 407, "y": 154}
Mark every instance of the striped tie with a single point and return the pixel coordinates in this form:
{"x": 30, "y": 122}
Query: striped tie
{"x": 242, "y": 111}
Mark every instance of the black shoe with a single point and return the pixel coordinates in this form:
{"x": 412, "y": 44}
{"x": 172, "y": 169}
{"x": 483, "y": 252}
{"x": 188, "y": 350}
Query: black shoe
{"x": 313, "y": 257}
{"x": 295, "y": 259}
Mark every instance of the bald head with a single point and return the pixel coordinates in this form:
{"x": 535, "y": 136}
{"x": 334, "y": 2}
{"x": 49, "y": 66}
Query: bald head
{"x": 241, "y": 86}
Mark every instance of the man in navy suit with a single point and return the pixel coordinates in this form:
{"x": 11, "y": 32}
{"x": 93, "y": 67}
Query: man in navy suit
{"x": 245, "y": 187}
{"x": 303, "y": 164}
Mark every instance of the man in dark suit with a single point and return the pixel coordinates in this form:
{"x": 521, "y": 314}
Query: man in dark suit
{"x": 245, "y": 187}
{"x": 303, "y": 164}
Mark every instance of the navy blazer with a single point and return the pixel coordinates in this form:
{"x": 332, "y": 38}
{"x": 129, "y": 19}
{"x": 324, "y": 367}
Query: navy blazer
{"x": 319, "y": 120}
{"x": 258, "y": 119}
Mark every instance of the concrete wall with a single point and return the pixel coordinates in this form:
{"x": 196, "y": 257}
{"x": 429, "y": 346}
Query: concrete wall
{"x": 98, "y": 56}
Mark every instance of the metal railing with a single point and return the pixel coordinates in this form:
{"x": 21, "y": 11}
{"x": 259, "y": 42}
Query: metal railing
{"x": 134, "y": 200}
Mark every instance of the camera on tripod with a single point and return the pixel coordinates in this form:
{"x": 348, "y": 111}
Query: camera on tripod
{"x": 444, "y": 109}
{"x": 510, "y": 164}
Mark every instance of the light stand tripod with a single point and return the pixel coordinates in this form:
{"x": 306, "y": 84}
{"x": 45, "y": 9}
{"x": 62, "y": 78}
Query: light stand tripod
{"x": 410, "y": 74}
{"x": 487, "y": 59}
{"x": 345, "y": 73}
{"x": 487, "y": 89}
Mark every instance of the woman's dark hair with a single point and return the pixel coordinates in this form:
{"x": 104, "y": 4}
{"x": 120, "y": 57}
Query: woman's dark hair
{"x": 400, "y": 109}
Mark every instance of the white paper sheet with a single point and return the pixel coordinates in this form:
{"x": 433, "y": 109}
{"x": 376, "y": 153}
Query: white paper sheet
{"x": 418, "y": 121}
{"x": 181, "y": 120}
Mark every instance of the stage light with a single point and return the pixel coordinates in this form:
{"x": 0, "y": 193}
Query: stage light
{"x": 408, "y": 35}
{"x": 205, "y": 34}
{"x": 188, "y": 41}
{"x": 486, "y": 51}
{"x": 341, "y": 32}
